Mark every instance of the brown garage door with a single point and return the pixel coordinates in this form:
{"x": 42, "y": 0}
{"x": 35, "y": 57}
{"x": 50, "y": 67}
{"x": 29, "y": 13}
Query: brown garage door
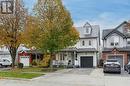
{"x": 86, "y": 61}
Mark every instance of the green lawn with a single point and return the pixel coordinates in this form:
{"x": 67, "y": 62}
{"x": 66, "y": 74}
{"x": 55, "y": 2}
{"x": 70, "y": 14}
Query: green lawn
{"x": 19, "y": 75}
{"x": 27, "y": 73}
{"x": 34, "y": 69}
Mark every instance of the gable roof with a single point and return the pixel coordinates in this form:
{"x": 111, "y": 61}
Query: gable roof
{"x": 107, "y": 32}
{"x": 115, "y": 31}
{"x": 125, "y": 22}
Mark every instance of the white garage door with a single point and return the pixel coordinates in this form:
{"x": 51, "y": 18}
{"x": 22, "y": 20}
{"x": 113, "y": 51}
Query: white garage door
{"x": 24, "y": 60}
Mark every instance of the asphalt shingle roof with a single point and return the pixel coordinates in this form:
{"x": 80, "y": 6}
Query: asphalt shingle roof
{"x": 106, "y": 32}
{"x": 95, "y": 31}
{"x": 113, "y": 31}
{"x": 86, "y": 50}
{"x": 80, "y": 50}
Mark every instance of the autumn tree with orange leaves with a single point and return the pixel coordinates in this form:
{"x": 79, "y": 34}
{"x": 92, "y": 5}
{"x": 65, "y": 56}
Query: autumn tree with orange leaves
{"x": 55, "y": 22}
{"x": 50, "y": 30}
{"x": 11, "y": 29}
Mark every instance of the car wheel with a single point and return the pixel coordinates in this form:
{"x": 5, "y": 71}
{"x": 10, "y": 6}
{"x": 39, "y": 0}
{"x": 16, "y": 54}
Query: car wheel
{"x": 1, "y": 65}
{"x": 6, "y": 66}
{"x": 128, "y": 71}
{"x": 119, "y": 72}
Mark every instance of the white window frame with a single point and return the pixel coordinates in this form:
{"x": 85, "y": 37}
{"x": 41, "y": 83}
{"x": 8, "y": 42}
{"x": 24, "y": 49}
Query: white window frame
{"x": 128, "y": 30}
{"x": 90, "y": 43}
{"x": 128, "y": 40}
{"x": 83, "y": 43}
{"x": 115, "y": 40}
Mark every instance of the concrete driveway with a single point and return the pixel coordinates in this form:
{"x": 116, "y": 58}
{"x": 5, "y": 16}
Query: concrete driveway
{"x": 74, "y": 77}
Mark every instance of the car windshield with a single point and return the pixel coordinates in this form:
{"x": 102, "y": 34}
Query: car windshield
{"x": 111, "y": 60}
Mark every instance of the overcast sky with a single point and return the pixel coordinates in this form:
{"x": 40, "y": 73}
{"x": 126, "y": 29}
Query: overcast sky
{"x": 106, "y": 13}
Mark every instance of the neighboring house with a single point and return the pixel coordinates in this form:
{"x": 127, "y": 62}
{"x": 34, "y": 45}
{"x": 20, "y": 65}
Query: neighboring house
{"x": 85, "y": 53}
{"x": 27, "y": 56}
{"x": 116, "y": 43}
{"x": 5, "y": 54}
{"x": 24, "y": 55}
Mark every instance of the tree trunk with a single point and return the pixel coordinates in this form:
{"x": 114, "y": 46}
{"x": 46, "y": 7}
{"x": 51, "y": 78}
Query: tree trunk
{"x": 12, "y": 51}
{"x": 51, "y": 60}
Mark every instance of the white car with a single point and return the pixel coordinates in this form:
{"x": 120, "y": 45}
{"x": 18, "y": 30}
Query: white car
{"x": 5, "y": 63}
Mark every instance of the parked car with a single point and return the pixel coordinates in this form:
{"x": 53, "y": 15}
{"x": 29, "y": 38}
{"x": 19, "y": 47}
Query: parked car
{"x": 127, "y": 67}
{"x": 5, "y": 63}
{"x": 112, "y": 65}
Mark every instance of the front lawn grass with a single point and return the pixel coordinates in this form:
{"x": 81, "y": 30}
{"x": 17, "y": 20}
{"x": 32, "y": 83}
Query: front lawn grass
{"x": 27, "y": 73}
{"x": 19, "y": 75}
{"x": 34, "y": 69}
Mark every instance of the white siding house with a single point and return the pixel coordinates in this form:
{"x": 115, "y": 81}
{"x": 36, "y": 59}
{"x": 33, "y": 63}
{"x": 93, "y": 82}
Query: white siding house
{"x": 86, "y": 52}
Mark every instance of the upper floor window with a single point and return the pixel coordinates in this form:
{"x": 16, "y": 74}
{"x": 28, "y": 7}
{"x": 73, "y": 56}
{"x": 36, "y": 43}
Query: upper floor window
{"x": 87, "y": 30}
{"x": 90, "y": 43}
{"x": 128, "y": 41}
{"x": 114, "y": 41}
{"x": 116, "y": 44}
{"x": 128, "y": 30}
{"x": 83, "y": 43}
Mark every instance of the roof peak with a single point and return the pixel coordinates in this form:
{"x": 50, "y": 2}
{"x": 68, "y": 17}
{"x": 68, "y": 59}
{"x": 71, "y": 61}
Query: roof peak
{"x": 106, "y": 32}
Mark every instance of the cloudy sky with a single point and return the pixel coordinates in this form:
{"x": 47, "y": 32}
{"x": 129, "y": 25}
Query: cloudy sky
{"x": 106, "y": 13}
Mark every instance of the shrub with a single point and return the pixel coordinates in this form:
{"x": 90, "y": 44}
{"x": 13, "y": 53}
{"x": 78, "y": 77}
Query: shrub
{"x": 101, "y": 62}
{"x": 45, "y": 62}
{"x": 34, "y": 63}
{"x": 20, "y": 65}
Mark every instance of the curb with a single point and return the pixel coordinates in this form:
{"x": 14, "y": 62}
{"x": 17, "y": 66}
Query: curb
{"x": 11, "y": 78}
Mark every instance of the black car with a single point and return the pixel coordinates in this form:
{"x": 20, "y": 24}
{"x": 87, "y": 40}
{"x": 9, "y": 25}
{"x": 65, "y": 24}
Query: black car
{"x": 112, "y": 65}
{"x": 127, "y": 68}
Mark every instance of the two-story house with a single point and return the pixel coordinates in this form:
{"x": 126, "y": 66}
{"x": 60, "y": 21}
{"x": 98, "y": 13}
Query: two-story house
{"x": 85, "y": 53}
{"x": 116, "y": 43}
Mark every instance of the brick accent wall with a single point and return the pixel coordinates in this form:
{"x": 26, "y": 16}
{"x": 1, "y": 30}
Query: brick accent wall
{"x": 115, "y": 52}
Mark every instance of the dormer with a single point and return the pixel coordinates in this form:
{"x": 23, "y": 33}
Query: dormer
{"x": 87, "y": 29}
